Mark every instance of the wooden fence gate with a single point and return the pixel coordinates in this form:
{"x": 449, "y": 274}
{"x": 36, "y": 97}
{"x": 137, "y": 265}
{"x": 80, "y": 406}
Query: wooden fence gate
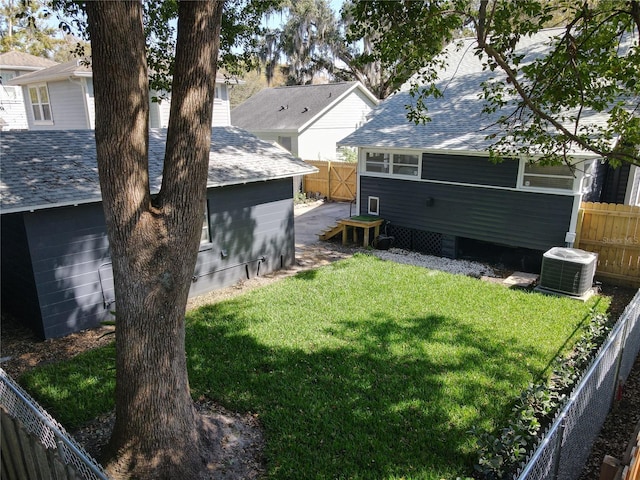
{"x": 334, "y": 180}
{"x": 613, "y": 232}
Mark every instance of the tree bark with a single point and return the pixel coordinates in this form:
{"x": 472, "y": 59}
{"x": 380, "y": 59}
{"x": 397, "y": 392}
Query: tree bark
{"x": 153, "y": 240}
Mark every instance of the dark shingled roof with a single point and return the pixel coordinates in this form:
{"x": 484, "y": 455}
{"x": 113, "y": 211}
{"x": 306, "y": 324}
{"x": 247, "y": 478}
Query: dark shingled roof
{"x": 289, "y": 108}
{"x": 44, "y": 169}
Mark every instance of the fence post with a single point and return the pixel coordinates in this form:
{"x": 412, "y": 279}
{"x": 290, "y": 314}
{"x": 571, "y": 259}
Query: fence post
{"x": 616, "y": 375}
{"x": 329, "y": 180}
{"x": 558, "y": 449}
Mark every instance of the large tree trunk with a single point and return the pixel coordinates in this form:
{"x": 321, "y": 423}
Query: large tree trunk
{"x": 153, "y": 241}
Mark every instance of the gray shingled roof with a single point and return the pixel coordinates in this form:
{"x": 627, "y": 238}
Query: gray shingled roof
{"x": 457, "y": 120}
{"x": 44, "y": 169}
{"x": 72, "y": 68}
{"x": 290, "y": 108}
{"x": 24, "y": 61}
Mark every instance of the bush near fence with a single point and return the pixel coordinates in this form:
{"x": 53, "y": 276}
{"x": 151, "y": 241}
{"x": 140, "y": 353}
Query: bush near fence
{"x": 565, "y": 446}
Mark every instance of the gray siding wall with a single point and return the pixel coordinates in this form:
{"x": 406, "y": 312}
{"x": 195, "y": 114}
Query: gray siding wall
{"x": 531, "y": 220}
{"x": 19, "y": 295}
{"x": 59, "y": 258}
{"x": 252, "y": 233}
{"x": 68, "y": 107}
{"x": 473, "y": 170}
{"x": 67, "y": 246}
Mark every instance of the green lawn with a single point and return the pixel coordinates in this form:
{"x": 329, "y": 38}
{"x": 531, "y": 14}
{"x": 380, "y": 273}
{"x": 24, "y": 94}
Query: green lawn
{"x": 360, "y": 369}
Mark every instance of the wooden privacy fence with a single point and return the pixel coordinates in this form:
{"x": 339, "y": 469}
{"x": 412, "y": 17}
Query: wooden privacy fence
{"x": 334, "y": 180}
{"x": 613, "y": 232}
{"x": 24, "y": 457}
{"x": 33, "y": 445}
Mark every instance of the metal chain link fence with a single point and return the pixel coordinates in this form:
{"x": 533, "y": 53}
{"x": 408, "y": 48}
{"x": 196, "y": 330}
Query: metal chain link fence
{"x": 51, "y": 434}
{"x": 565, "y": 446}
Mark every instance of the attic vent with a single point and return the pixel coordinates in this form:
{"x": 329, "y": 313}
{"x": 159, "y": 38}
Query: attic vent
{"x": 568, "y": 270}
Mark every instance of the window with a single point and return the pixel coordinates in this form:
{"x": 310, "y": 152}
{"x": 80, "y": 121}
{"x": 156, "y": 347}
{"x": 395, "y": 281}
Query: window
{"x": 557, "y": 177}
{"x": 205, "y": 236}
{"x": 374, "y": 206}
{"x": 377, "y": 162}
{"x": 404, "y": 164}
{"x": 285, "y": 142}
{"x": 40, "y": 105}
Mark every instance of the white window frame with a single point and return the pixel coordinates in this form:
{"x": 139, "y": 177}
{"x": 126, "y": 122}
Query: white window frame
{"x": 375, "y": 200}
{"x": 576, "y": 177}
{"x": 389, "y": 164}
{"x": 39, "y": 105}
{"x": 205, "y": 235}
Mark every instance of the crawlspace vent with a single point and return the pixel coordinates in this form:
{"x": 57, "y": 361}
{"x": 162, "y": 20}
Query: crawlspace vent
{"x": 568, "y": 270}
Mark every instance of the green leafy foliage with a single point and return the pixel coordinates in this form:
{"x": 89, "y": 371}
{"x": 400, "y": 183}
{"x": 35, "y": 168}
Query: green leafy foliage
{"x": 500, "y": 454}
{"x": 590, "y": 68}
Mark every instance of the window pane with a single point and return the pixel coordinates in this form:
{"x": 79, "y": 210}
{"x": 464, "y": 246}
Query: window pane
{"x": 548, "y": 182}
{"x": 33, "y": 95}
{"x": 405, "y": 159}
{"x": 36, "y": 112}
{"x": 548, "y": 169}
{"x": 377, "y": 162}
{"x": 204, "y": 236}
{"x": 44, "y": 97}
{"x": 46, "y": 111}
{"x": 405, "y": 170}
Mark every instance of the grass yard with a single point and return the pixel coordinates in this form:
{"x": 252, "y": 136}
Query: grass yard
{"x": 360, "y": 369}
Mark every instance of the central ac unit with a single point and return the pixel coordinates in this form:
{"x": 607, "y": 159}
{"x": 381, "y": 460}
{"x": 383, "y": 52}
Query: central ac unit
{"x": 568, "y": 270}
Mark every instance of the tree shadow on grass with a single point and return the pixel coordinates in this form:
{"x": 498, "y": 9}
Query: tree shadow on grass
{"x": 367, "y": 406}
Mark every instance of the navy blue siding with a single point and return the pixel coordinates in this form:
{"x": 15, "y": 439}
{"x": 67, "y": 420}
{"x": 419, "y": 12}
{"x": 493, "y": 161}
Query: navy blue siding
{"x": 56, "y": 262}
{"x": 19, "y": 294}
{"x": 516, "y": 218}
{"x": 252, "y": 233}
{"x": 67, "y": 247}
{"x": 472, "y": 170}
{"x": 615, "y": 184}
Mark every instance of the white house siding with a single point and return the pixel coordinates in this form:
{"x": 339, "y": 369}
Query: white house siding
{"x": 68, "y": 107}
{"x": 318, "y": 140}
{"x": 272, "y": 137}
{"x": 221, "y": 107}
{"x": 12, "y": 112}
{"x": 91, "y": 108}
{"x": 159, "y": 111}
